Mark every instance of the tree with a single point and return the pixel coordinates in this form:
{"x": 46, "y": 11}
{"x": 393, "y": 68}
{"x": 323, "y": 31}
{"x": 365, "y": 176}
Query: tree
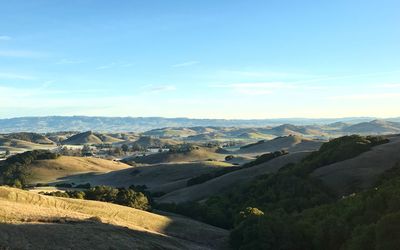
{"x": 130, "y": 198}
{"x": 388, "y": 232}
{"x": 86, "y": 150}
{"x": 125, "y": 148}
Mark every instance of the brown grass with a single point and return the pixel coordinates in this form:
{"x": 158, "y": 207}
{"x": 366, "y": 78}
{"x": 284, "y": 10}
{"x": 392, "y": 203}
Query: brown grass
{"x": 59, "y": 221}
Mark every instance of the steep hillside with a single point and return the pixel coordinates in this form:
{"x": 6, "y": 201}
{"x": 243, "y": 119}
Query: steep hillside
{"x": 80, "y": 224}
{"x": 217, "y": 185}
{"x": 290, "y": 143}
{"x": 362, "y": 171}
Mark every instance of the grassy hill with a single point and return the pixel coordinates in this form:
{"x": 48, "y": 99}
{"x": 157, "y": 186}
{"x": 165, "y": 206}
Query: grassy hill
{"x": 291, "y": 143}
{"x": 80, "y": 224}
{"x": 16, "y": 146}
{"x": 83, "y": 138}
{"x": 29, "y": 137}
{"x": 44, "y": 171}
{"x": 196, "y": 154}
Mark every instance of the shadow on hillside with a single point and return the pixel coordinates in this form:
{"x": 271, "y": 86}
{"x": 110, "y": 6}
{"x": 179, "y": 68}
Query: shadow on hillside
{"x": 83, "y": 234}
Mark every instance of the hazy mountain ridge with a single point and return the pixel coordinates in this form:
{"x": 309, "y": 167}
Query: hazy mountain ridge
{"x": 141, "y": 124}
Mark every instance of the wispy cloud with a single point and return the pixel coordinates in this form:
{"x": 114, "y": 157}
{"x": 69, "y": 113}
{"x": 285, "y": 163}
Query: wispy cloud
{"x": 160, "y": 88}
{"x": 5, "y": 38}
{"x": 185, "y": 64}
{"x": 21, "y": 53}
{"x": 12, "y": 76}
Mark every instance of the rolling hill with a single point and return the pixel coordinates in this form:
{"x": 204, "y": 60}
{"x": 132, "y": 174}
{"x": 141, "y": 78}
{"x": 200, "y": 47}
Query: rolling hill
{"x": 17, "y": 146}
{"x": 196, "y": 154}
{"x": 83, "y": 138}
{"x": 80, "y": 224}
{"x": 29, "y": 137}
{"x": 44, "y": 171}
{"x": 374, "y": 127}
{"x": 291, "y": 143}
{"x": 158, "y": 178}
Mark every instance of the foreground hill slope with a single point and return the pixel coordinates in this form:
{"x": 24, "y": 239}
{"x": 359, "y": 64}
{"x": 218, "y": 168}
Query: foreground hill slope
{"x": 217, "y": 185}
{"x": 80, "y": 224}
{"x": 291, "y": 143}
{"x": 362, "y": 171}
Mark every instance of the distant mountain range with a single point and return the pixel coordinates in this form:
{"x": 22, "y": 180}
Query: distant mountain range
{"x": 140, "y": 124}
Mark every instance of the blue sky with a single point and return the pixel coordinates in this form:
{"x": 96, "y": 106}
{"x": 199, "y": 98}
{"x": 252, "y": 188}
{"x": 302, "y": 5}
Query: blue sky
{"x": 202, "y": 59}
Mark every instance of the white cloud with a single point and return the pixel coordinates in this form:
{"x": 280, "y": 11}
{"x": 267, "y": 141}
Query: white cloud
{"x": 5, "y": 38}
{"x": 185, "y": 64}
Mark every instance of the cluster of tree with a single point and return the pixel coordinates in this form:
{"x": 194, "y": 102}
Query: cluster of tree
{"x": 182, "y": 148}
{"x": 15, "y": 170}
{"x": 208, "y": 176}
{"x": 273, "y": 211}
{"x": 122, "y": 196}
{"x": 367, "y": 220}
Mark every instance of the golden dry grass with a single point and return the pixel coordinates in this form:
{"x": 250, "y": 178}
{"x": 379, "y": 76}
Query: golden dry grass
{"x": 51, "y": 170}
{"x": 63, "y": 222}
{"x": 201, "y": 154}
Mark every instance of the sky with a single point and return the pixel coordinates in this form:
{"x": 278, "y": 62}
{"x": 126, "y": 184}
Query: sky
{"x": 200, "y": 59}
